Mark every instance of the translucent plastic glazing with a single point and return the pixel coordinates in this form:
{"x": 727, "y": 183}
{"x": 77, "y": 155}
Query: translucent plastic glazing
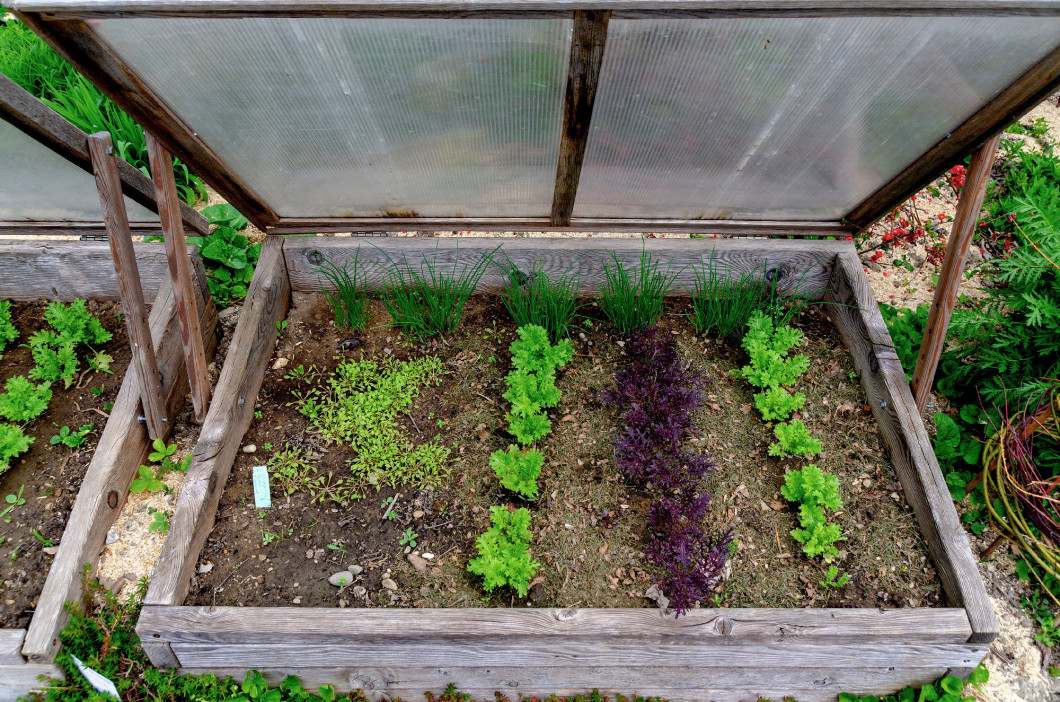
{"x": 782, "y": 118}
{"x": 39, "y": 185}
{"x": 367, "y": 117}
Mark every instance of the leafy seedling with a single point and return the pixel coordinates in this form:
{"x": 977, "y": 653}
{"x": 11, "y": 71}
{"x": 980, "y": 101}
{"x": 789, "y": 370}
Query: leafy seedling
{"x": 13, "y": 500}
{"x": 281, "y": 327}
{"x": 409, "y": 538}
{"x": 23, "y": 400}
{"x": 71, "y": 438}
{"x": 833, "y": 580}
{"x": 337, "y": 547}
{"x": 146, "y": 482}
{"x": 98, "y": 392}
{"x": 40, "y": 537}
{"x": 160, "y": 523}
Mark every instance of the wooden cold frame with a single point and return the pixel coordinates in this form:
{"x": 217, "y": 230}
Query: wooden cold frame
{"x": 64, "y": 270}
{"x": 717, "y": 654}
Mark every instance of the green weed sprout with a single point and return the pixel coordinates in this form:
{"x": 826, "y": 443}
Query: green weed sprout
{"x": 634, "y": 301}
{"x": 349, "y": 300}
{"x": 504, "y": 555}
{"x": 518, "y": 470}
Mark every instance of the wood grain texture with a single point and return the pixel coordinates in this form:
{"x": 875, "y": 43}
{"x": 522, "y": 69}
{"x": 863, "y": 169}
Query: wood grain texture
{"x": 19, "y": 680}
{"x": 908, "y": 446}
{"x": 77, "y": 43}
{"x": 104, "y": 165}
{"x": 613, "y": 652}
{"x": 965, "y": 222}
{"x": 292, "y": 225}
{"x": 122, "y": 447}
{"x": 243, "y": 625}
{"x": 226, "y": 423}
{"x": 1007, "y": 106}
{"x": 583, "y": 75}
{"x": 11, "y": 646}
{"x": 78, "y": 229}
{"x": 65, "y": 270}
{"x": 801, "y": 265}
{"x": 669, "y": 682}
{"x": 533, "y": 8}
{"x": 50, "y": 128}
{"x": 180, "y": 272}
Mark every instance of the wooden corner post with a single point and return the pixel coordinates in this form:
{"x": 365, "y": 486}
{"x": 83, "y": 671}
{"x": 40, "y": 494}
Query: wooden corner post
{"x": 180, "y": 273}
{"x": 964, "y": 224}
{"x": 108, "y": 183}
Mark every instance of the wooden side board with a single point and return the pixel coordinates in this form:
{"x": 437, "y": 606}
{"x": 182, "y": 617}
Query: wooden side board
{"x": 226, "y": 423}
{"x": 78, "y": 229}
{"x": 857, "y": 316}
{"x": 64, "y": 270}
{"x": 16, "y": 681}
{"x": 123, "y": 446}
{"x": 803, "y": 266}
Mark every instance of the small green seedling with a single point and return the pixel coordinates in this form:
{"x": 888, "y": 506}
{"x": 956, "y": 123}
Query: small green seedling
{"x": 12, "y": 502}
{"x": 70, "y": 438}
{"x": 14, "y": 554}
{"x": 409, "y": 538}
{"x": 267, "y": 537}
{"x": 160, "y": 522}
{"x": 98, "y": 392}
{"x": 147, "y": 481}
{"x": 833, "y": 579}
{"x": 40, "y": 537}
{"x": 337, "y": 547}
{"x": 257, "y": 414}
{"x": 162, "y": 453}
{"x": 267, "y": 446}
{"x": 281, "y": 326}
{"x": 107, "y": 407}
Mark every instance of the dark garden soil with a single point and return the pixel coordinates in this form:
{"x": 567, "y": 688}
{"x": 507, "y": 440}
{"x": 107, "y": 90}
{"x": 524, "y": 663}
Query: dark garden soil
{"x": 589, "y": 521}
{"x": 49, "y": 476}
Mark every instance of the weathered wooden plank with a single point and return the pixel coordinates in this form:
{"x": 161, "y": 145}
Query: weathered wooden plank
{"x": 122, "y": 447}
{"x": 77, "y": 43}
{"x": 678, "y": 682}
{"x": 65, "y": 270}
{"x": 491, "y": 8}
{"x": 50, "y": 128}
{"x": 292, "y": 225}
{"x": 241, "y": 625}
{"x": 795, "y": 265}
{"x": 16, "y": 681}
{"x": 603, "y": 652}
{"x": 910, "y": 449}
{"x": 74, "y": 228}
{"x": 132, "y": 298}
{"x": 180, "y": 272}
{"x": 965, "y": 222}
{"x": 226, "y": 423}
{"x": 583, "y": 75}
{"x": 104, "y": 165}
{"x": 1024, "y": 93}
{"x": 11, "y": 646}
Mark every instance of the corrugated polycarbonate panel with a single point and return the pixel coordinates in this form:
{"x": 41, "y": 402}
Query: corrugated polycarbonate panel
{"x": 785, "y": 119}
{"x": 367, "y": 117}
{"x": 39, "y": 185}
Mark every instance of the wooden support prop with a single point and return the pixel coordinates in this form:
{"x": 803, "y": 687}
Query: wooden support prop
{"x": 180, "y": 271}
{"x": 132, "y": 295}
{"x": 226, "y": 423}
{"x": 586, "y": 56}
{"x": 857, "y": 317}
{"x": 803, "y": 266}
{"x": 77, "y": 43}
{"x": 48, "y": 127}
{"x": 965, "y": 222}
{"x": 123, "y": 446}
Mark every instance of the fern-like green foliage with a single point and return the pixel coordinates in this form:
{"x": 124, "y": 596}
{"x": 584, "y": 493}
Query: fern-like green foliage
{"x": 8, "y": 333}
{"x": 518, "y": 470}
{"x": 532, "y": 385}
{"x": 12, "y": 443}
{"x": 794, "y": 439}
{"x": 770, "y": 368}
{"x": 504, "y": 554}
{"x": 54, "y": 364}
{"x": 74, "y": 324}
{"x": 23, "y": 400}
{"x": 815, "y": 491}
{"x": 778, "y": 403}
{"x": 55, "y": 350}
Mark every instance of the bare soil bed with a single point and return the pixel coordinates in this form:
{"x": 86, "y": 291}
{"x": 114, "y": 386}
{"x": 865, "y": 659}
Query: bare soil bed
{"x": 49, "y": 476}
{"x": 588, "y": 522}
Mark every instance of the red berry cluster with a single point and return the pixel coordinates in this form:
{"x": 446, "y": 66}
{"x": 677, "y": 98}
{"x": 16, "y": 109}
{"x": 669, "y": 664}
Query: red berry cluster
{"x": 957, "y": 177}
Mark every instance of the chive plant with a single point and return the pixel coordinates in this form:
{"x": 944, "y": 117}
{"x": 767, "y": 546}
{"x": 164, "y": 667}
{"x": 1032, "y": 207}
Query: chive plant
{"x": 428, "y": 300}
{"x": 349, "y": 300}
{"x": 722, "y": 302}
{"x": 539, "y": 299}
{"x": 633, "y": 301}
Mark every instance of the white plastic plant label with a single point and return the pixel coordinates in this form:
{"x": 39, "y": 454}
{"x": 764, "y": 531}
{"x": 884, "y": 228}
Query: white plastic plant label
{"x": 96, "y": 680}
{"x": 262, "y": 496}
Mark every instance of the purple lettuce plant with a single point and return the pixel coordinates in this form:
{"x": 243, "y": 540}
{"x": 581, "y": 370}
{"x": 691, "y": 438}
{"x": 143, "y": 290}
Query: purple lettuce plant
{"x": 659, "y": 394}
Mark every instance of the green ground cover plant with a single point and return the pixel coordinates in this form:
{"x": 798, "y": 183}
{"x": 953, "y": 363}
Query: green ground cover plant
{"x": 634, "y": 301}
{"x": 349, "y": 301}
{"x": 723, "y": 302}
{"x": 540, "y": 299}
{"x": 425, "y": 300}
{"x": 27, "y": 60}
{"x": 72, "y": 438}
{"x": 814, "y": 491}
{"x": 228, "y": 256}
{"x": 22, "y": 400}
{"x": 948, "y": 688}
{"x": 532, "y": 384}
{"x": 358, "y": 406}
{"x": 518, "y": 470}
{"x": 504, "y": 553}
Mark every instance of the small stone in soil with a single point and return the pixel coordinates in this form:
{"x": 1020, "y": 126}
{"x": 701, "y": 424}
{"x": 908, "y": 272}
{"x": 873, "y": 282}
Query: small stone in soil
{"x": 250, "y": 448}
{"x": 205, "y": 568}
{"x": 356, "y": 569}
{"x": 417, "y": 562}
{"x": 417, "y": 514}
{"x": 112, "y": 537}
{"x": 428, "y": 556}
{"x": 343, "y": 577}
{"x": 297, "y": 600}
{"x": 359, "y": 591}
{"x": 389, "y": 584}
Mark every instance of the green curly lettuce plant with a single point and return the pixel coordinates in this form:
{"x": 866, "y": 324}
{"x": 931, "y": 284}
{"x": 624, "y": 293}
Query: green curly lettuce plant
{"x": 814, "y": 491}
{"x": 767, "y": 346}
{"x": 8, "y": 332}
{"x": 23, "y": 400}
{"x": 12, "y": 443}
{"x": 55, "y": 350}
{"x": 794, "y": 439}
{"x": 518, "y": 470}
{"x": 504, "y": 555}
{"x": 532, "y": 385}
